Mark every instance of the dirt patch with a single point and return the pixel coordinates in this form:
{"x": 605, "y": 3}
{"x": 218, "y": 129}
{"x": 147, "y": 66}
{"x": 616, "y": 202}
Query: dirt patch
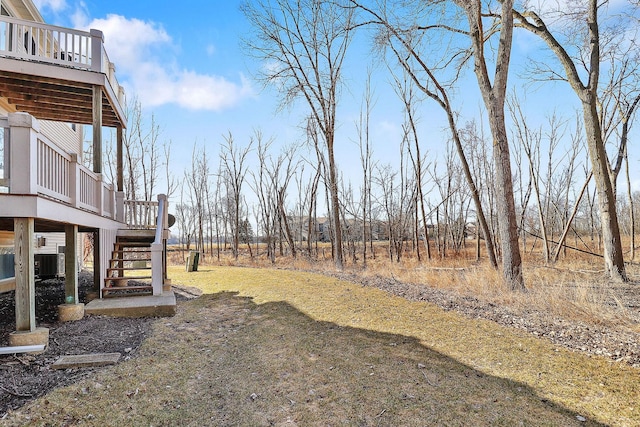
{"x": 26, "y": 377}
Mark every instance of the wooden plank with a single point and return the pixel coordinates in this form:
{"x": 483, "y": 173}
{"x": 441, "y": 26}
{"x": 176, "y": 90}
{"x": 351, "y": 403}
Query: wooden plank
{"x": 97, "y": 129}
{"x": 116, "y": 278}
{"x": 86, "y": 360}
{"x": 8, "y": 284}
{"x": 119, "y": 160}
{"x": 25, "y": 275}
{"x": 70, "y": 267}
{"x": 127, "y": 288}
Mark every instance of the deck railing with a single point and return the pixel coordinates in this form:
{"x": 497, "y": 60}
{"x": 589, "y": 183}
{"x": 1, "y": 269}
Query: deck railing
{"x": 34, "y": 165}
{"x": 53, "y": 168}
{"x": 141, "y": 214}
{"x": 34, "y": 41}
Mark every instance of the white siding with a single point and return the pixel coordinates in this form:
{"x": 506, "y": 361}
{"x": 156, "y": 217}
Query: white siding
{"x": 52, "y": 241}
{"x": 107, "y": 240}
{"x": 62, "y": 135}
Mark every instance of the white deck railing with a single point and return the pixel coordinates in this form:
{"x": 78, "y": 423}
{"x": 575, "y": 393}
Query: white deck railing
{"x": 35, "y": 165}
{"x": 35, "y": 41}
{"x": 53, "y": 171}
{"x": 141, "y": 214}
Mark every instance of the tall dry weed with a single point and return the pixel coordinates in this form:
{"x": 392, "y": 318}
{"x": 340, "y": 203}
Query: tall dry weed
{"x": 572, "y": 289}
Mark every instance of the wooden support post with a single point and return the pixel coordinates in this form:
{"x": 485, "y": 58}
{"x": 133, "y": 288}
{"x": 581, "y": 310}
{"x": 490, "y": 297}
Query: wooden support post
{"x": 25, "y": 276}
{"x": 119, "y": 161}
{"x": 97, "y": 129}
{"x": 70, "y": 264}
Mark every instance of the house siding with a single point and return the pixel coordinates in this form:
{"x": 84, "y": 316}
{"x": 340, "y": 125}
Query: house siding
{"x": 107, "y": 240}
{"x": 63, "y": 136}
{"x": 59, "y": 133}
{"x": 52, "y": 242}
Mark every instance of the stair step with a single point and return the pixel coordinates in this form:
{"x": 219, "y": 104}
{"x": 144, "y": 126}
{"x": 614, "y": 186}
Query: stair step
{"x": 126, "y": 291}
{"x": 131, "y": 252}
{"x": 129, "y": 260}
{"x": 127, "y": 278}
{"x": 133, "y": 244}
{"x": 138, "y": 258}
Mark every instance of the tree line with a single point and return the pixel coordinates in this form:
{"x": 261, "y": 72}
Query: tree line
{"x": 557, "y": 190}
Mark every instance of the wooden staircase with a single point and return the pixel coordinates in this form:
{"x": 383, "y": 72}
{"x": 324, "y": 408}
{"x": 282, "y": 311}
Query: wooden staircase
{"x": 129, "y": 270}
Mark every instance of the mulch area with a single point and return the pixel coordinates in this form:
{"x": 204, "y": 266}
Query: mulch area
{"x": 24, "y": 377}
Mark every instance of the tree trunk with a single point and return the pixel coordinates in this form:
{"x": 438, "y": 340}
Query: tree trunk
{"x": 632, "y": 219}
{"x": 493, "y": 94}
{"x": 505, "y": 203}
{"x": 612, "y": 244}
{"x": 335, "y": 204}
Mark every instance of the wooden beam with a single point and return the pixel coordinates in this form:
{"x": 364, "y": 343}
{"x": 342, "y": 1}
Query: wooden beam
{"x": 97, "y": 129}
{"x": 65, "y": 114}
{"x": 25, "y": 276}
{"x": 70, "y": 264}
{"x": 119, "y": 161}
{"x": 28, "y": 86}
{"x": 57, "y": 99}
{"x": 8, "y": 284}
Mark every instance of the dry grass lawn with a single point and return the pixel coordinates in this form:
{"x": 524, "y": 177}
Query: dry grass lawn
{"x": 276, "y": 347}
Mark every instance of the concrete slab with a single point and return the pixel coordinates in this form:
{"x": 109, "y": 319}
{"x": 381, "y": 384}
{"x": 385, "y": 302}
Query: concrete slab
{"x": 86, "y": 360}
{"x": 70, "y": 312}
{"x": 134, "y": 306}
{"x": 39, "y": 336}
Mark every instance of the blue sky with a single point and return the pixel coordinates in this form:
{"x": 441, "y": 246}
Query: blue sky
{"x": 187, "y": 66}
{"x": 185, "y": 63}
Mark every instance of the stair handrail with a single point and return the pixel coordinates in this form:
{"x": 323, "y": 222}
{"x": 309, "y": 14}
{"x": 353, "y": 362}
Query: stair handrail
{"x": 161, "y": 220}
{"x": 157, "y": 247}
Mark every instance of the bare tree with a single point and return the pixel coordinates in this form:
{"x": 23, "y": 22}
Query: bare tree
{"x": 404, "y": 89}
{"x": 197, "y": 179}
{"x": 493, "y": 89}
{"x": 406, "y": 36}
{"x": 145, "y": 159}
{"x": 185, "y": 218}
{"x": 233, "y": 160}
{"x": 579, "y": 43}
{"x": 529, "y": 139}
{"x": 304, "y": 43}
{"x": 366, "y": 160}
{"x": 265, "y": 191}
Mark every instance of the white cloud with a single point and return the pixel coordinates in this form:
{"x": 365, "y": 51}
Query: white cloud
{"x": 560, "y": 7}
{"x": 143, "y": 54}
{"x": 54, "y": 5}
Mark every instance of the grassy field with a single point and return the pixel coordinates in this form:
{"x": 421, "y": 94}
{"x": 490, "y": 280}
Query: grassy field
{"x": 275, "y": 347}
